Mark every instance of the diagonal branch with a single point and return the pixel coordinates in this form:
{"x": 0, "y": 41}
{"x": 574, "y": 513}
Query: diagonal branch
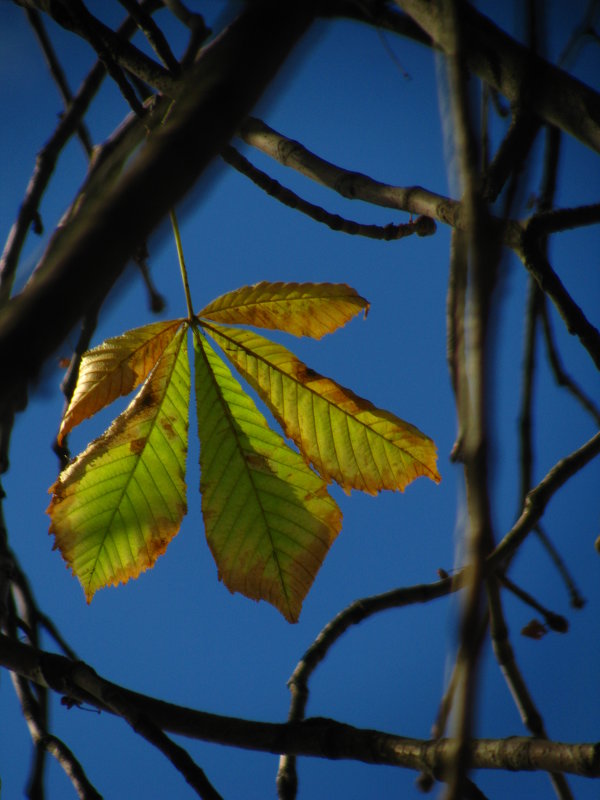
{"x": 74, "y": 17}
{"x": 46, "y": 162}
{"x": 539, "y": 497}
{"x": 422, "y": 226}
{"x": 57, "y": 73}
{"x": 502, "y": 62}
{"x": 46, "y": 742}
{"x": 238, "y": 65}
{"x": 539, "y": 267}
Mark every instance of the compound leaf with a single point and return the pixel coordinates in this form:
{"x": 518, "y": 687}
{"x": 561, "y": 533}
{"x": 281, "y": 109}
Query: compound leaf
{"x": 345, "y": 437}
{"x": 268, "y": 518}
{"x": 303, "y": 309}
{"x": 116, "y": 507}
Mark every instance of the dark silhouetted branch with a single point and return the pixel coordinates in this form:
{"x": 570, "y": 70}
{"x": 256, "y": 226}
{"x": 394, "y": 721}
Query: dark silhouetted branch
{"x": 238, "y": 65}
{"x": 559, "y": 99}
{"x": 319, "y": 737}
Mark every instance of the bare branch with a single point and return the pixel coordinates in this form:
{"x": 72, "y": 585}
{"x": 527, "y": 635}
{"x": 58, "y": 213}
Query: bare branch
{"x": 518, "y": 688}
{"x": 238, "y": 66}
{"x": 563, "y": 219}
{"x": 560, "y": 375}
{"x": 539, "y": 497}
{"x": 118, "y": 703}
{"x": 324, "y": 738}
{"x": 45, "y": 163}
{"x": 57, "y": 73}
{"x": 481, "y": 257}
{"x": 349, "y": 184}
{"x": 153, "y": 33}
{"x": 355, "y": 613}
{"x": 422, "y": 226}
{"x": 577, "y": 323}
{"x": 577, "y": 601}
{"x": 75, "y": 17}
{"x": 502, "y": 62}
{"x": 555, "y": 622}
{"x": 46, "y": 742}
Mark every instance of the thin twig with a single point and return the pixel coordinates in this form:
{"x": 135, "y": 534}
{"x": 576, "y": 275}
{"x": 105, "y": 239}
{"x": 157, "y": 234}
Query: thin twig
{"x": 438, "y": 728}
{"x": 355, "y": 613}
{"x": 422, "y": 226}
{"x": 118, "y": 50}
{"x": 539, "y": 267}
{"x": 561, "y": 376}
{"x": 555, "y": 622}
{"x": 57, "y": 73}
{"x": 47, "y": 743}
{"x": 563, "y": 219}
{"x": 576, "y": 599}
{"x": 518, "y": 688}
{"x": 91, "y": 30}
{"x": 153, "y": 33}
{"x": 177, "y": 755}
{"x": 534, "y": 299}
{"x": 511, "y": 154}
{"x": 539, "y": 497}
{"x": 349, "y": 184}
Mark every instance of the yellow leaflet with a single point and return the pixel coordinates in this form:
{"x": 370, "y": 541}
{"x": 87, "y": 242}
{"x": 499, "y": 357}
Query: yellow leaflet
{"x": 303, "y": 309}
{"x": 344, "y": 436}
{"x": 116, "y": 507}
{"x": 268, "y": 518}
{"x": 115, "y": 368}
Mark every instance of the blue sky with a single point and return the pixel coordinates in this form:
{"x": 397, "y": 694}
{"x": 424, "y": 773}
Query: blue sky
{"x": 176, "y": 632}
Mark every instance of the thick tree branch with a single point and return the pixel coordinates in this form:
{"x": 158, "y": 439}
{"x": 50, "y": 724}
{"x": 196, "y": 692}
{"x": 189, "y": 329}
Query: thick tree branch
{"x": 319, "y": 737}
{"x": 45, "y": 163}
{"x": 502, "y": 62}
{"x": 237, "y": 66}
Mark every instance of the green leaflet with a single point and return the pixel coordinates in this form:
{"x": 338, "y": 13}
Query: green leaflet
{"x": 118, "y": 505}
{"x": 343, "y": 435}
{"x": 269, "y": 520}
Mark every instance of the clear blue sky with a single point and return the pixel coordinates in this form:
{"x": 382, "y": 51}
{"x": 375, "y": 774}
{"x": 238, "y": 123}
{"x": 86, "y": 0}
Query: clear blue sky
{"x": 176, "y": 632}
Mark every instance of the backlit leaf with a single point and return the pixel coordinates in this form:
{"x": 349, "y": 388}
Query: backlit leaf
{"x": 344, "y": 436}
{"x": 114, "y": 369}
{"x": 268, "y": 517}
{"x": 304, "y": 309}
{"x": 116, "y": 507}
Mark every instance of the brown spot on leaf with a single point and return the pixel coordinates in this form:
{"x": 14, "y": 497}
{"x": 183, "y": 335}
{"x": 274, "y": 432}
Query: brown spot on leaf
{"x": 258, "y": 462}
{"x": 168, "y": 428}
{"x": 137, "y": 445}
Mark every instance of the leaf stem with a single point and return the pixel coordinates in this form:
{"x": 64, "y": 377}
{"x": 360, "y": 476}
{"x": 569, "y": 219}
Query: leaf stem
{"x": 184, "y": 277}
